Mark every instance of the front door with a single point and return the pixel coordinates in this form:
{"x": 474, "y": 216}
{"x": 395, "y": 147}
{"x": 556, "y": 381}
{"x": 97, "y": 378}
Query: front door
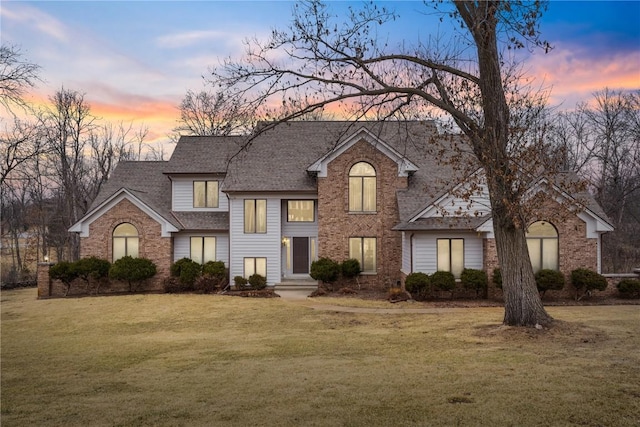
{"x": 300, "y": 255}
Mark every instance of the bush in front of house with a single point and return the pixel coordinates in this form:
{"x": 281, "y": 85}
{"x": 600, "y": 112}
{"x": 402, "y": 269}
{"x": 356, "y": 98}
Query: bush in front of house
{"x": 475, "y": 280}
{"x": 257, "y": 281}
{"x": 418, "y": 285}
{"x": 92, "y": 268}
{"x": 549, "y": 280}
{"x": 325, "y": 270}
{"x": 585, "y": 281}
{"x": 629, "y": 288}
{"x": 132, "y": 270}
{"x": 214, "y": 277}
{"x": 65, "y": 272}
{"x": 240, "y": 282}
{"x": 350, "y": 268}
{"x": 496, "y": 278}
{"x": 443, "y": 281}
{"x": 187, "y": 271}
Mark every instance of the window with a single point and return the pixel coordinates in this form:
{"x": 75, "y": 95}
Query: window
{"x": 364, "y": 250}
{"x": 451, "y": 256}
{"x": 255, "y": 266}
{"x": 125, "y": 241}
{"x": 542, "y": 241}
{"x": 362, "y": 188}
{"x": 255, "y": 216}
{"x": 203, "y": 249}
{"x": 205, "y": 194}
{"x": 300, "y": 211}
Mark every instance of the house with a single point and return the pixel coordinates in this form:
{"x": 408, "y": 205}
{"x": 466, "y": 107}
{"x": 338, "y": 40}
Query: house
{"x": 377, "y": 192}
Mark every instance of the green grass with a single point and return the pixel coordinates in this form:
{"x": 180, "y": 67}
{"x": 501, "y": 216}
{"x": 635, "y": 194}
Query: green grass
{"x": 201, "y": 360}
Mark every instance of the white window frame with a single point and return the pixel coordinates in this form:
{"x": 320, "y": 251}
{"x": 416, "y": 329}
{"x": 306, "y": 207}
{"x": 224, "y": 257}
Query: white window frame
{"x": 359, "y": 242}
{"x": 357, "y": 185}
{"x": 203, "y": 256}
{"x": 208, "y": 203}
{"x": 255, "y": 216}
{"x": 253, "y": 265}
{"x": 445, "y": 256}
{"x": 129, "y": 248}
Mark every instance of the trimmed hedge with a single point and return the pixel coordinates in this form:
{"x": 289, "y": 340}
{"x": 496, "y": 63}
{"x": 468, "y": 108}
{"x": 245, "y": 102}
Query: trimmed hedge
{"x": 585, "y": 281}
{"x": 350, "y": 268}
{"x": 629, "y": 288}
{"x": 257, "y": 282}
{"x": 496, "y": 278}
{"x": 325, "y": 270}
{"x": 476, "y": 280}
{"x": 549, "y": 280}
{"x": 444, "y": 281}
{"x": 418, "y": 285}
{"x": 132, "y": 270}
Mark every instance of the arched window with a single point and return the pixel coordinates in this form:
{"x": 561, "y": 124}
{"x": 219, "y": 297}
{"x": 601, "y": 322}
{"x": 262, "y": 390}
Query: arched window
{"x": 542, "y": 241}
{"x": 125, "y": 241}
{"x": 362, "y": 188}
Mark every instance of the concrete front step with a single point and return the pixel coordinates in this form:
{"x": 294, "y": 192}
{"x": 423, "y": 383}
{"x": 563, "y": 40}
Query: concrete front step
{"x": 297, "y": 285}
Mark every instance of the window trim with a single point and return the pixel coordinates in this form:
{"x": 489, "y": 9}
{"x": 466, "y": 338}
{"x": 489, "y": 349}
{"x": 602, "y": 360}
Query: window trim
{"x": 541, "y": 240}
{"x": 360, "y": 184}
{"x": 126, "y": 239}
{"x": 202, "y": 254}
{"x": 361, "y": 261}
{"x": 206, "y": 192}
{"x": 254, "y": 228}
{"x": 450, "y": 251}
{"x": 313, "y": 210}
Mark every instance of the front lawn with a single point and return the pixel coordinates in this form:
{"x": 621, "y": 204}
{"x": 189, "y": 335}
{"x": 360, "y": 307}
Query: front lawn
{"x": 208, "y": 360}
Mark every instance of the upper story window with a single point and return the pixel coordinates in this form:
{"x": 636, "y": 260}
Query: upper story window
{"x": 542, "y": 241}
{"x": 255, "y": 216}
{"x": 125, "y": 241}
{"x": 362, "y": 188}
{"x": 205, "y": 194}
{"x": 451, "y": 256}
{"x": 300, "y": 211}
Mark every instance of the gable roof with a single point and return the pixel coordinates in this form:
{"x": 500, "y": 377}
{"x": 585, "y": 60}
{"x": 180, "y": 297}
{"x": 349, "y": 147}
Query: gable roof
{"x": 203, "y": 154}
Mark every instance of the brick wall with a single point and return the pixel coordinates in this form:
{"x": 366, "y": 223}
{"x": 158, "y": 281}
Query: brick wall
{"x": 336, "y": 225}
{"x": 152, "y": 245}
{"x": 576, "y": 250}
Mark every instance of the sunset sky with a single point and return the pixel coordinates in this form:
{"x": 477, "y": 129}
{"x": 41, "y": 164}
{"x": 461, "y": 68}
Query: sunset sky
{"x": 136, "y": 59}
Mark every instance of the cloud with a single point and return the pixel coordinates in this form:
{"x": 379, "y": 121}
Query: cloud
{"x": 33, "y": 17}
{"x": 190, "y": 38}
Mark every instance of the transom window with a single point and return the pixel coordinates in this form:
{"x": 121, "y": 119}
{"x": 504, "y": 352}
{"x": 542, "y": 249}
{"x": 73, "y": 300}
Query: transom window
{"x": 205, "y": 194}
{"x": 362, "y": 188}
{"x": 542, "y": 241}
{"x": 451, "y": 256}
{"x": 364, "y": 250}
{"x": 255, "y": 266}
{"x": 125, "y": 241}
{"x": 300, "y": 211}
{"x": 203, "y": 249}
{"x": 255, "y": 216}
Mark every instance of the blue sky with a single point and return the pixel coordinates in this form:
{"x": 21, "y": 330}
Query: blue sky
{"x": 136, "y": 59}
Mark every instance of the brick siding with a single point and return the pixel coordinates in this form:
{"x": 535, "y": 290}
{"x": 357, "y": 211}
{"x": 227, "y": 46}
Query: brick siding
{"x": 336, "y": 224}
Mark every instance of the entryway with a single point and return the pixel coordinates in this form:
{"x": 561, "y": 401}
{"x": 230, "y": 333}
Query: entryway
{"x": 300, "y": 249}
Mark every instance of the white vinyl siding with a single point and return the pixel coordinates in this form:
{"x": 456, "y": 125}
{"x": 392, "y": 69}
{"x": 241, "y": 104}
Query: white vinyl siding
{"x": 255, "y": 245}
{"x": 299, "y": 229}
{"x": 406, "y": 252}
{"x": 425, "y": 250}
{"x": 182, "y": 245}
{"x": 182, "y": 195}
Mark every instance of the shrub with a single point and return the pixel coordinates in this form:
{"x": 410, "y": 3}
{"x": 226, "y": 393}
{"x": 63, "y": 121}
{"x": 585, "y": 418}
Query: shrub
{"x": 549, "y": 280}
{"x": 325, "y": 270}
{"x": 187, "y": 271}
{"x": 257, "y": 281}
{"x": 444, "y": 281}
{"x": 474, "y": 280}
{"x": 629, "y": 288}
{"x": 214, "y": 268}
{"x": 214, "y": 277}
{"x": 497, "y": 278}
{"x": 92, "y": 268}
{"x": 65, "y": 272}
{"x": 418, "y": 285}
{"x": 132, "y": 270}
{"x": 585, "y": 281}
{"x": 350, "y": 268}
{"x": 240, "y": 282}
{"x": 172, "y": 285}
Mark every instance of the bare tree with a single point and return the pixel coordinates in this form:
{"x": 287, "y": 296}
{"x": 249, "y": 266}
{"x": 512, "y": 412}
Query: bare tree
{"x": 321, "y": 63}
{"x": 209, "y": 113}
{"x": 16, "y": 76}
